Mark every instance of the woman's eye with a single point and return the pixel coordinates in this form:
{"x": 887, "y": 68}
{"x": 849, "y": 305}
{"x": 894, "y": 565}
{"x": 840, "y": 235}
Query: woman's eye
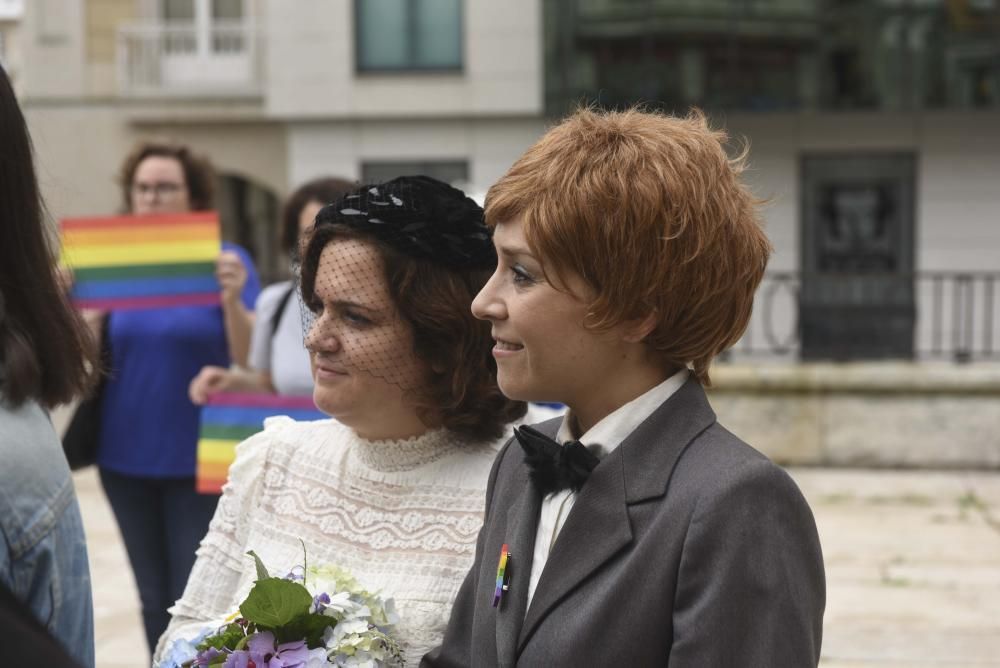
{"x": 521, "y": 275}
{"x": 356, "y": 318}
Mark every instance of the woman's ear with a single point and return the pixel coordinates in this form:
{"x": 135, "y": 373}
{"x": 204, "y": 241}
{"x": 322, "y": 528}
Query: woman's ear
{"x": 637, "y": 329}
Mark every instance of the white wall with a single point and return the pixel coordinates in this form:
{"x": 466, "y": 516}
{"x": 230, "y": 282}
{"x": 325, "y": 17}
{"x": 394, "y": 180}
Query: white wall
{"x": 338, "y": 148}
{"x": 52, "y": 49}
{"x": 79, "y": 149}
{"x": 958, "y": 177}
{"x": 310, "y": 69}
{"x": 957, "y": 191}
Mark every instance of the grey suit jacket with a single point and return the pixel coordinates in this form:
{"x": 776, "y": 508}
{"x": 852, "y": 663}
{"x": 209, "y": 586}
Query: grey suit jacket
{"x": 686, "y": 547}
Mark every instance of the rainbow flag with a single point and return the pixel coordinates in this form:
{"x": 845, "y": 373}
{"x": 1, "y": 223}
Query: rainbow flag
{"x": 131, "y": 262}
{"x": 229, "y": 418}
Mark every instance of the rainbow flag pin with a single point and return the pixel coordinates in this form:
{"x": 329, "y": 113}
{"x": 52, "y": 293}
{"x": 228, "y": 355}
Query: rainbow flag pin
{"x": 230, "y": 418}
{"x": 132, "y": 262}
{"x": 503, "y": 575}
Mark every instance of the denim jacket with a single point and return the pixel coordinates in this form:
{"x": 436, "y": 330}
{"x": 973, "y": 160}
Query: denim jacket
{"x": 43, "y": 556}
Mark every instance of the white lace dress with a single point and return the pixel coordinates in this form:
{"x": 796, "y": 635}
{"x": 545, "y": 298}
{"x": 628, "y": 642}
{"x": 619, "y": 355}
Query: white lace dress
{"x": 401, "y": 516}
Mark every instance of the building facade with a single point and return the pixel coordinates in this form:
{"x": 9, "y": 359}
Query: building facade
{"x": 873, "y": 126}
{"x": 874, "y": 133}
{"x": 277, "y": 93}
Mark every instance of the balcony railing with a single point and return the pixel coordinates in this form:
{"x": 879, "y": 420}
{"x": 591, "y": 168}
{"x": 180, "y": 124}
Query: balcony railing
{"x": 168, "y": 60}
{"x": 922, "y": 316}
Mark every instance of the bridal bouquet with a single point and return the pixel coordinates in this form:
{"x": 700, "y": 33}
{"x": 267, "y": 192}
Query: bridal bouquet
{"x": 314, "y": 618}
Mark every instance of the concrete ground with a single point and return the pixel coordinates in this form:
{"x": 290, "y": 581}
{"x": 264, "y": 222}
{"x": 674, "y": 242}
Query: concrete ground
{"x": 912, "y": 564}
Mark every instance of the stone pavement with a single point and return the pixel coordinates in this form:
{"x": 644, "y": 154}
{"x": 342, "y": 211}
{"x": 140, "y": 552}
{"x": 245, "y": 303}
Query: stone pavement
{"x": 912, "y": 563}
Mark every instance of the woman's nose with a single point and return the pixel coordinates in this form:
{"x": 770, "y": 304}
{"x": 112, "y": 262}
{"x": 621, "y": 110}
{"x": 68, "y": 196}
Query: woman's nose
{"x": 321, "y": 336}
{"x": 487, "y": 305}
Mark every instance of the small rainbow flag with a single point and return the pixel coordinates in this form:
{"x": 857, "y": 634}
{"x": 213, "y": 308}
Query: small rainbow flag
{"x": 131, "y": 262}
{"x": 229, "y": 418}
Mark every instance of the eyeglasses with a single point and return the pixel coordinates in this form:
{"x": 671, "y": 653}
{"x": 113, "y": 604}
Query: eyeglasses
{"x": 162, "y": 189}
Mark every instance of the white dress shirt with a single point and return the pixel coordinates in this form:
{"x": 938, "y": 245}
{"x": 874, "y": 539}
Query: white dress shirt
{"x": 609, "y": 433}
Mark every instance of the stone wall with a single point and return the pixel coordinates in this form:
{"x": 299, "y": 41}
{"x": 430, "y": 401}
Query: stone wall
{"x": 892, "y": 414}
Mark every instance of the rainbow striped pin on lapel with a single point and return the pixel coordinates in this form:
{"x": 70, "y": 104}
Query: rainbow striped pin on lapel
{"x": 503, "y": 575}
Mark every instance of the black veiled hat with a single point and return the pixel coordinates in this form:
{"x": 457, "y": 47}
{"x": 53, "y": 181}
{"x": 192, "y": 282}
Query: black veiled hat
{"x": 420, "y": 217}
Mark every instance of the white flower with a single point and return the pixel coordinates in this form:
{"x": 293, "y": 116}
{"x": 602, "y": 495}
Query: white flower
{"x": 317, "y": 658}
{"x": 340, "y": 604}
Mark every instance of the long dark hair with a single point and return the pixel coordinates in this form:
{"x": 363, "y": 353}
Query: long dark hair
{"x": 45, "y": 349}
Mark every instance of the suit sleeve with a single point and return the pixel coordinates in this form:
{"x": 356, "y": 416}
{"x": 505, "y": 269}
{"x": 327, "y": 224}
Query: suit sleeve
{"x": 455, "y": 650}
{"x": 751, "y": 588}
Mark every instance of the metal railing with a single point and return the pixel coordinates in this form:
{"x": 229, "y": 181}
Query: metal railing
{"x": 945, "y": 315}
{"x": 157, "y": 59}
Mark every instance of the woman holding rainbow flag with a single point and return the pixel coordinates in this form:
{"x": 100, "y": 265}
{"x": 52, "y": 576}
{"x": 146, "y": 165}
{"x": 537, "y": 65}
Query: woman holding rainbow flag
{"x": 148, "y": 473}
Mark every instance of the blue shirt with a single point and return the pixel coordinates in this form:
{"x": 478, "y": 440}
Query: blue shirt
{"x": 43, "y": 554}
{"x": 149, "y": 427}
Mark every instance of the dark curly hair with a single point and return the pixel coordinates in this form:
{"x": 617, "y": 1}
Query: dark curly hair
{"x": 199, "y": 177}
{"x": 323, "y": 190}
{"x": 435, "y": 299}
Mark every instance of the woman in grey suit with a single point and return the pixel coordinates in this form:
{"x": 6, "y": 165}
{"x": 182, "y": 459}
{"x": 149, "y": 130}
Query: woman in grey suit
{"x": 636, "y": 531}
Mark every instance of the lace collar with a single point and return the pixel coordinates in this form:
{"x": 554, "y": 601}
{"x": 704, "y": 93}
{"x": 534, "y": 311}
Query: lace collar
{"x": 405, "y": 454}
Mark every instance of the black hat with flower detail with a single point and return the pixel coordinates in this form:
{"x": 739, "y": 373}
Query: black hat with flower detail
{"x": 420, "y": 217}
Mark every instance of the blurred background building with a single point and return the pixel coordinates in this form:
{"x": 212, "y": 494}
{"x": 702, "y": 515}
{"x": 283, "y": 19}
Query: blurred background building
{"x": 874, "y": 125}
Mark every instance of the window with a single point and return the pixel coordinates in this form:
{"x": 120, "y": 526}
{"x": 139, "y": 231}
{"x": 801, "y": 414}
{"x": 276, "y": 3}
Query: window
{"x": 11, "y": 10}
{"x": 206, "y": 41}
{"x": 394, "y": 35}
{"x": 455, "y": 172}
{"x": 773, "y": 55}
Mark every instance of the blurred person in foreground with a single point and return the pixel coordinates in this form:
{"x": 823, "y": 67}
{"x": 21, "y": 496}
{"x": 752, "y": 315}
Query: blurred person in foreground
{"x": 278, "y": 362}
{"x": 45, "y": 360}
{"x": 391, "y": 490}
{"x": 149, "y": 427}
{"x": 636, "y": 530}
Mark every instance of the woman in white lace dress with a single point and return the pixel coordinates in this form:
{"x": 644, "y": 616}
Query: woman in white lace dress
{"x": 393, "y": 488}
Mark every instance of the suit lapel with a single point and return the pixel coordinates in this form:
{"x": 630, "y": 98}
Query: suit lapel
{"x": 598, "y": 526}
{"x": 519, "y": 534}
{"x": 522, "y": 525}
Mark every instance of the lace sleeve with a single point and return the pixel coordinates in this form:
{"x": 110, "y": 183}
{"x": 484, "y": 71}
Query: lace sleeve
{"x": 221, "y": 556}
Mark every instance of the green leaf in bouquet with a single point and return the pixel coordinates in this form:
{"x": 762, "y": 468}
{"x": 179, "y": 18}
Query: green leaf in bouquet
{"x": 228, "y": 637}
{"x": 274, "y": 602}
{"x": 309, "y": 626}
{"x": 262, "y": 573}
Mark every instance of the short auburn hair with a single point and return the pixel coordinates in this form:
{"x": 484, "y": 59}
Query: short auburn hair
{"x": 650, "y": 211}
{"x": 462, "y": 392}
{"x": 199, "y": 176}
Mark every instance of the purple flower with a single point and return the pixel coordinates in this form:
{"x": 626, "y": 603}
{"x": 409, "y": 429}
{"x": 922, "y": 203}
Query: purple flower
{"x": 238, "y": 659}
{"x": 320, "y": 600}
{"x": 261, "y": 653}
{"x": 205, "y": 656}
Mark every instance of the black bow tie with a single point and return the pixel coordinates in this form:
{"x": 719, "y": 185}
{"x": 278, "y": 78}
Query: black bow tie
{"x": 556, "y": 467}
